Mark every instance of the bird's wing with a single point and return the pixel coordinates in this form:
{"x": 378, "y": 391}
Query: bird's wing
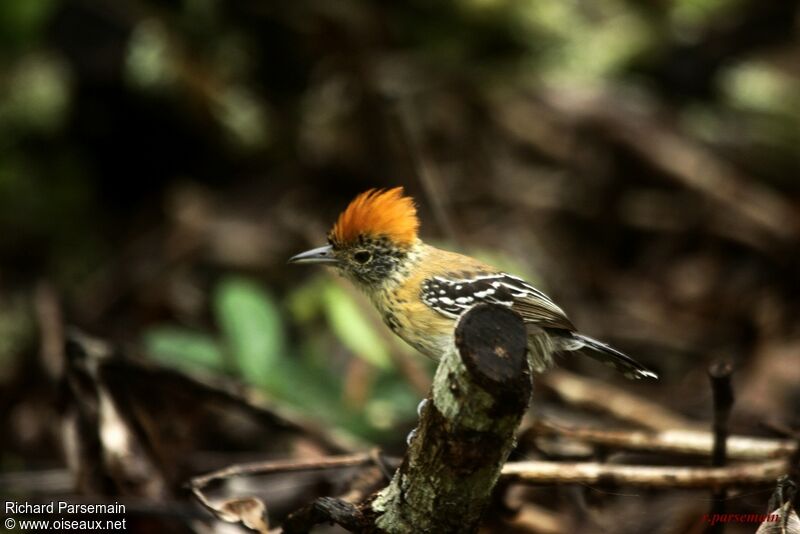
{"x": 451, "y": 296}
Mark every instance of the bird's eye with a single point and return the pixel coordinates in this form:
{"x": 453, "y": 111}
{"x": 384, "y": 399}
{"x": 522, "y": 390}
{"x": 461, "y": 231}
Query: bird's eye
{"x": 362, "y": 256}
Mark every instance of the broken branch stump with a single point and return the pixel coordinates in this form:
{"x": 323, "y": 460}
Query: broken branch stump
{"x": 466, "y": 431}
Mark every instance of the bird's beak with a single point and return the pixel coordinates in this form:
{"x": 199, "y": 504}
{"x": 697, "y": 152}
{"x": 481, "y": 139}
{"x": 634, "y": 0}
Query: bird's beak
{"x": 316, "y": 255}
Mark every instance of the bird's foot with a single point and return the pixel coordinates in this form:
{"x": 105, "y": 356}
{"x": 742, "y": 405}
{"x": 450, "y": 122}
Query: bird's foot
{"x": 421, "y": 406}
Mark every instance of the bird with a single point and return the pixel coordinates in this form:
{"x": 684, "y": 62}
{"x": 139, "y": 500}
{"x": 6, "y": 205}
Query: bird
{"x": 421, "y": 291}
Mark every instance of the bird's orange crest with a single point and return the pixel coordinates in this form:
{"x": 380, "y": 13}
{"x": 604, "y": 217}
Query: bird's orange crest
{"x": 377, "y": 212}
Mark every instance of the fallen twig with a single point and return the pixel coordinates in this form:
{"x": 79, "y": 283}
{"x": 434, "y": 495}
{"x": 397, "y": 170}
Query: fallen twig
{"x": 544, "y": 472}
{"x": 692, "y": 442}
{"x": 283, "y": 466}
{"x": 539, "y": 472}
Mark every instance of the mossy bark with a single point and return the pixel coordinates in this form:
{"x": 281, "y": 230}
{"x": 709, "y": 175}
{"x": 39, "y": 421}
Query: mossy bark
{"x": 466, "y": 432}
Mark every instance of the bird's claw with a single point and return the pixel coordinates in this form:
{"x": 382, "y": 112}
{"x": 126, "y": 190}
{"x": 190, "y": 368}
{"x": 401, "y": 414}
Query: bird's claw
{"x": 410, "y": 437}
{"x": 421, "y": 406}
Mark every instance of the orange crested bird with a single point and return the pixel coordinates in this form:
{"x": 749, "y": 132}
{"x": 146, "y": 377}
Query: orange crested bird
{"x": 420, "y": 291}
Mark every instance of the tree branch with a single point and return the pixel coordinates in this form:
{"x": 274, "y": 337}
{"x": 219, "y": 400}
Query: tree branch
{"x": 676, "y": 441}
{"x": 466, "y": 432}
{"x": 643, "y": 476}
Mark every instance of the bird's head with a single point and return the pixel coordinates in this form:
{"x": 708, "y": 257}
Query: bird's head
{"x": 372, "y": 238}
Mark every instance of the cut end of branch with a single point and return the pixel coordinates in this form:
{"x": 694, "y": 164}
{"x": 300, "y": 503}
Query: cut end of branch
{"x": 492, "y": 341}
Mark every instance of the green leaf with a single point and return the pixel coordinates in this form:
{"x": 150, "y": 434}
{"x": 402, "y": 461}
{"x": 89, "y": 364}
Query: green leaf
{"x": 184, "y": 349}
{"x": 353, "y": 329}
{"x": 304, "y": 302}
{"x": 22, "y": 23}
{"x": 251, "y": 323}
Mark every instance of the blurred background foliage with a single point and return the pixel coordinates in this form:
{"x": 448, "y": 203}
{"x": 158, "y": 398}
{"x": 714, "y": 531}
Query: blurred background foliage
{"x": 160, "y": 161}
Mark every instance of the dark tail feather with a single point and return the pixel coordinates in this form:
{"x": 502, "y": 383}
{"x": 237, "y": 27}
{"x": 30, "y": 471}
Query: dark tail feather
{"x": 612, "y": 357}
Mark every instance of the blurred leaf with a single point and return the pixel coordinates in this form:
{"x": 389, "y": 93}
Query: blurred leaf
{"x": 149, "y": 62}
{"x": 305, "y": 301}
{"x": 693, "y": 13}
{"x": 16, "y": 329}
{"x": 22, "y": 21}
{"x": 573, "y": 45}
{"x": 38, "y": 95}
{"x": 251, "y": 322}
{"x": 760, "y": 86}
{"x": 393, "y": 400}
{"x": 184, "y": 349}
{"x": 353, "y": 329}
{"x": 243, "y": 115}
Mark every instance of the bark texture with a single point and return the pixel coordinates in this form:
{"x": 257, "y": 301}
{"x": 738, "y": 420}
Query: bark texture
{"x": 466, "y": 432}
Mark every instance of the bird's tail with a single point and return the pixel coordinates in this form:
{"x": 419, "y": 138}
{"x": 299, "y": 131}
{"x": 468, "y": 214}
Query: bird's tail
{"x": 610, "y": 356}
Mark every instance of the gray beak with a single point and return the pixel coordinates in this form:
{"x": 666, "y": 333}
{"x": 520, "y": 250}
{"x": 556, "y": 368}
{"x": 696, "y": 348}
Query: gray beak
{"x": 316, "y": 255}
